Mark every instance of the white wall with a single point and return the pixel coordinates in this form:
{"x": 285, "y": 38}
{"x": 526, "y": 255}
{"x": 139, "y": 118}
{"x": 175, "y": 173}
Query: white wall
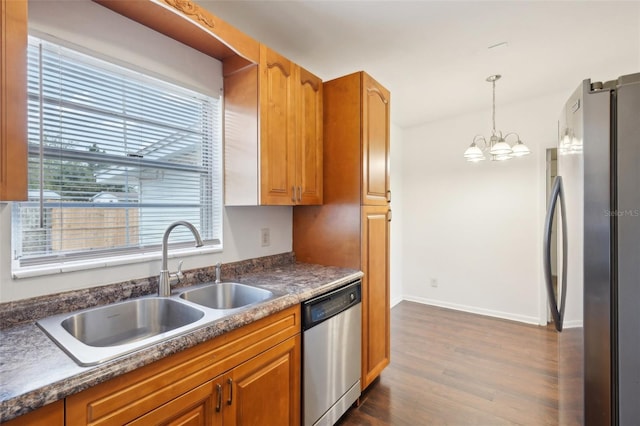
{"x": 397, "y": 229}
{"x": 476, "y": 228}
{"x": 96, "y": 30}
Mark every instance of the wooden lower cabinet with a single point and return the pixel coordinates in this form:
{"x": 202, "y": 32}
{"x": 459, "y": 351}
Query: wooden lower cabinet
{"x": 49, "y": 415}
{"x": 263, "y": 391}
{"x": 266, "y": 389}
{"x": 195, "y": 408}
{"x": 249, "y": 376}
{"x": 376, "y": 342}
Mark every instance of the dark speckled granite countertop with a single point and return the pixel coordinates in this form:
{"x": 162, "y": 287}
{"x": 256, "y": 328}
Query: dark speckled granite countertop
{"x": 34, "y": 371}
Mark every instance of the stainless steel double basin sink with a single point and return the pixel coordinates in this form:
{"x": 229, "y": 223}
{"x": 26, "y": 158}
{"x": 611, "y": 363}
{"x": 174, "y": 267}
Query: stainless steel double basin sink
{"x": 99, "y": 334}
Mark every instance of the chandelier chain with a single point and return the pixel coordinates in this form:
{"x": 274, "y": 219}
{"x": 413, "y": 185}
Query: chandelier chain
{"x": 493, "y": 115}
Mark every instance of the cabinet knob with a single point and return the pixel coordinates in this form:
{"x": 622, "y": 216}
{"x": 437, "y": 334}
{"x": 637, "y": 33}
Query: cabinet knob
{"x": 293, "y": 194}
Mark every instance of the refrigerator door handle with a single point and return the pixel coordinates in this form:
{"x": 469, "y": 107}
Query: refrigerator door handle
{"x": 557, "y": 312}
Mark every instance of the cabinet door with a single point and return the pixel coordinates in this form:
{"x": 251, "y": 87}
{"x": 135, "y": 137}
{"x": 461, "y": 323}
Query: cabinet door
{"x": 13, "y": 100}
{"x": 277, "y": 129}
{"x": 309, "y": 139}
{"x": 375, "y": 143}
{"x": 49, "y": 415}
{"x": 265, "y": 390}
{"x": 199, "y": 407}
{"x": 375, "y": 292}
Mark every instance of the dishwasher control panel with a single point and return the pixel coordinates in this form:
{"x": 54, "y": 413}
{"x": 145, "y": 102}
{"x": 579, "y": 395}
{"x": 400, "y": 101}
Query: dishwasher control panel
{"x": 329, "y": 304}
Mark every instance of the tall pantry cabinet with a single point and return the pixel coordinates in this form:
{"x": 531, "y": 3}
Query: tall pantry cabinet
{"x": 351, "y": 228}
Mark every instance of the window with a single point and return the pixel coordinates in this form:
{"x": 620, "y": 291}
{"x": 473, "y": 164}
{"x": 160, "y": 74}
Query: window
{"x": 115, "y": 156}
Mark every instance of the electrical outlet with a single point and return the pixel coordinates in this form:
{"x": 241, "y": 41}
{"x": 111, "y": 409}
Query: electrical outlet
{"x": 434, "y": 282}
{"x": 265, "y": 237}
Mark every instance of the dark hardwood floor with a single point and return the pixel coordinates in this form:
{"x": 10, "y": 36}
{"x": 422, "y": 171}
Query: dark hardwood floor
{"x": 455, "y": 368}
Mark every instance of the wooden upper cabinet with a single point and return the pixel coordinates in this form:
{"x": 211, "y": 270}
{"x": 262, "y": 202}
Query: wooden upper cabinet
{"x": 376, "y": 188}
{"x": 277, "y": 129}
{"x": 309, "y": 139}
{"x": 273, "y": 132}
{"x": 13, "y": 100}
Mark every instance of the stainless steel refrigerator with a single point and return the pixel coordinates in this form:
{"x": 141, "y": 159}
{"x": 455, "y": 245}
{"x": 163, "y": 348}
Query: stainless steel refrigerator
{"x": 595, "y": 298}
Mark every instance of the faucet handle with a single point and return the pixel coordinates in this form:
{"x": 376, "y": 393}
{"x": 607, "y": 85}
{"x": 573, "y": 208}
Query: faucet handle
{"x": 179, "y": 274}
{"x": 175, "y": 278}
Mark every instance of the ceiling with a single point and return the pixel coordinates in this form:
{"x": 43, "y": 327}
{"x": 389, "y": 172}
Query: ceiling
{"x": 434, "y": 56}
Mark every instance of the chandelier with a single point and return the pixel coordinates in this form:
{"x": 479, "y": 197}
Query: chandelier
{"x": 497, "y": 147}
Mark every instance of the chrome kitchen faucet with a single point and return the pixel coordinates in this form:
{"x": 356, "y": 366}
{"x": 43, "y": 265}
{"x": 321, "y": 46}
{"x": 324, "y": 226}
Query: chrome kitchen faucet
{"x": 166, "y": 278}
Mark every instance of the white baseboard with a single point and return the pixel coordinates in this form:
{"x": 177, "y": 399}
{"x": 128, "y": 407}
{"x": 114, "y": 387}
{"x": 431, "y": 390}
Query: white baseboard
{"x": 395, "y": 301}
{"x": 474, "y": 310}
{"x": 572, "y": 324}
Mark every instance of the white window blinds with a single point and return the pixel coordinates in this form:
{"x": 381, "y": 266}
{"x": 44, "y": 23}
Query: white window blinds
{"x": 114, "y": 157}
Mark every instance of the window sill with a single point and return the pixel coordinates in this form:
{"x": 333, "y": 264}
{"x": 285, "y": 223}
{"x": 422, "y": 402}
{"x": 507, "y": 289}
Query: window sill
{"x": 83, "y": 265}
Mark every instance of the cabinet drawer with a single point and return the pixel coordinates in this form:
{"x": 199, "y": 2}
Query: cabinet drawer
{"x": 131, "y": 395}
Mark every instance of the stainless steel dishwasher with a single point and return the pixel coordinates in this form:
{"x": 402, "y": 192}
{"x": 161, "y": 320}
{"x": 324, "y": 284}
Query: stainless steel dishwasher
{"x": 331, "y": 340}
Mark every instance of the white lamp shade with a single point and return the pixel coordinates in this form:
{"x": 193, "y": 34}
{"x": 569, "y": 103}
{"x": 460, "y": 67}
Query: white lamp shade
{"x": 576, "y": 145}
{"x": 520, "y": 149}
{"x": 473, "y": 153}
{"x": 501, "y": 148}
